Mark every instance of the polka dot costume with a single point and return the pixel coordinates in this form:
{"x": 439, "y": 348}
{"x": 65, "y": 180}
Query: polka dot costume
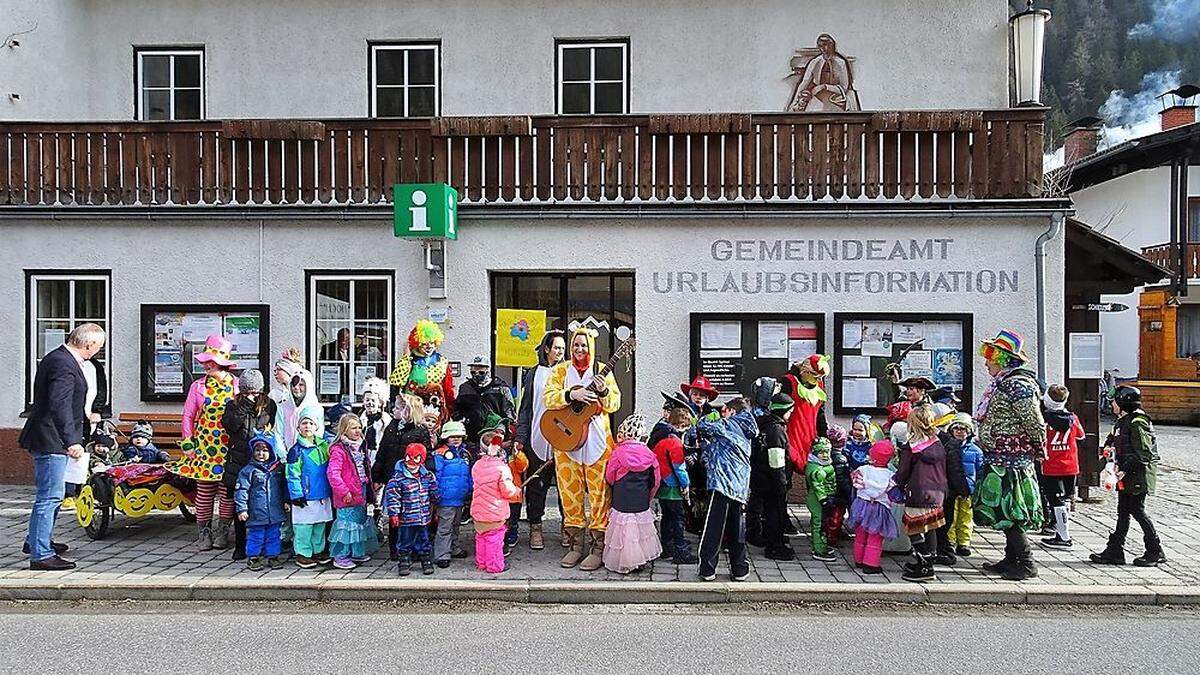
{"x": 207, "y": 460}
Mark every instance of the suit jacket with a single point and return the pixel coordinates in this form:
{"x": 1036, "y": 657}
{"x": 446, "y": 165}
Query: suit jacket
{"x": 56, "y": 419}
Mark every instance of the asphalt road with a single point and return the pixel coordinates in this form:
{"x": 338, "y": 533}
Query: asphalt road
{"x": 314, "y": 639}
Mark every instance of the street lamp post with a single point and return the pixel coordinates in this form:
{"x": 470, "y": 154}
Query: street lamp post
{"x": 1029, "y": 42}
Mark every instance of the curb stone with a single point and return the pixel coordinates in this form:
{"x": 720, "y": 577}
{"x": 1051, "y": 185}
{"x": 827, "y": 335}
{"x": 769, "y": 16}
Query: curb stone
{"x": 826, "y": 593}
{"x": 424, "y": 589}
{"x": 1088, "y": 595}
{"x": 627, "y": 592}
{"x": 976, "y": 594}
{"x": 1176, "y": 595}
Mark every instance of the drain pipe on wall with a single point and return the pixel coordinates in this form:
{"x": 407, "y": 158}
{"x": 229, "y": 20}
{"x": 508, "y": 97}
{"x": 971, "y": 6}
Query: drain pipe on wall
{"x": 1056, "y": 221}
{"x": 262, "y": 226}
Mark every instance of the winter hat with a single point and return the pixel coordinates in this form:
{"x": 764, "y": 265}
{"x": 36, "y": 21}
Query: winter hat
{"x": 289, "y": 365}
{"x": 310, "y": 417}
{"x": 881, "y": 453}
{"x": 142, "y": 429}
{"x": 962, "y": 419}
{"x": 634, "y": 427}
{"x": 250, "y": 380}
{"x": 821, "y": 450}
{"x": 899, "y": 433}
{"x": 453, "y": 428}
{"x": 837, "y": 436}
{"x": 781, "y": 402}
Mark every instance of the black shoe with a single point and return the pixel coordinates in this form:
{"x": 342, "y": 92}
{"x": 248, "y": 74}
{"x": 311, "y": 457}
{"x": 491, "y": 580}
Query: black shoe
{"x": 426, "y": 566}
{"x": 1108, "y": 557}
{"x": 58, "y": 548}
{"x": 871, "y": 569}
{"x": 945, "y": 560}
{"x": 443, "y": 563}
{"x": 323, "y": 558}
{"x": 1020, "y": 571}
{"x": 756, "y": 539}
{"x": 685, "y": 558}
{"x": 275, "y": 562}
{"x": 739, "y": 576}
{"x": 998, "y": 567}
{"x": 394, "y": 557}
{"x": 899, "y": 554}
{"x": 51, "y": 564}
{"x": 666, "y": 554}
{"x": 255, "y": 564}
{"x": 1056, "y": 542}
{"x": 920, "y": 574}
{"x": 790, "y": 529}
{"x": 460, "y": 553}
{"x": 827, "y": 556}
{"x": 963, "y": 551}
{"x": 404, "y": 567}
{"x": 1150, "y": 559}
{"x": 779, "y": 553}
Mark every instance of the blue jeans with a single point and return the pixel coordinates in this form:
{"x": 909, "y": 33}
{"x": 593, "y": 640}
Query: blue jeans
{"x": 414, "y": 540}
{"x": 48, "y": 471}
{"x": 262, "y": 540}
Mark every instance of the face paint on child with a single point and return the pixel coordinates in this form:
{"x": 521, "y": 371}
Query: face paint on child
{"x": 698, "y": 397}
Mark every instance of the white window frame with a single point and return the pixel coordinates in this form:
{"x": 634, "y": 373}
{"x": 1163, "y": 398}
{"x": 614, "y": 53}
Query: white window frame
{"x": 314, "y": 346}
{"x": 140, "y": 87}
{"x": 31, "y": 312}
{"x": 562, "y": 46}
{"x": 405, "y": 47}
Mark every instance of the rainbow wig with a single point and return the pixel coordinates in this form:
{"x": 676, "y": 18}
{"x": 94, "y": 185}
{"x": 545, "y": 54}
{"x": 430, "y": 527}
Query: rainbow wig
{"x": 425, "y": 331}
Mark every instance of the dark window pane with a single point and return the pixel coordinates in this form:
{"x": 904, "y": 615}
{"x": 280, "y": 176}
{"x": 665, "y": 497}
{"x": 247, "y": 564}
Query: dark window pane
{"x": 370, "y": 342}
{"x": 156, "y": 104}
{"x": 90, "y": 300}
{"x": 370, "y": 299}
{"x": 187, "y": 71}
{"x": 389, "y": 102}
{"x": 502, "y": 291}
{"x": 576, "y": 99}
{"x": 156, "y": 71}
{"x": 576, "y": 64}
{"x": 422, "y": 102}
{"x": 333, "y": 299}
{"x": 420, "y": 66}
{"x": 610, "y": 98}
{"x": 187, "y": 104}
{"x": 1194, "y": 220}
{"x": 53, "y": 298}
{"x": 389, "y": 66}
{"x": 608, "y": 64}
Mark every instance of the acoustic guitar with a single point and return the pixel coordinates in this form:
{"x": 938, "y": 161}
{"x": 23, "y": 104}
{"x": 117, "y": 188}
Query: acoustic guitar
{"x": 566, "y": 429}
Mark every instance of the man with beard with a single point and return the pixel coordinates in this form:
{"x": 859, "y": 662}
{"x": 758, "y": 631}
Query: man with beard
{"x": 529, "y": 434}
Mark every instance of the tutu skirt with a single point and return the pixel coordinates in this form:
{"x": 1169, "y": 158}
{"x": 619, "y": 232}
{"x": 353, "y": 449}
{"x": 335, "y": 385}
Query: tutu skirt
{"x": 353, "y": 534}
{"x": 1007, "y": 498}
{"x": 921, "y": 519}
{"x": 630, "y": 540}
{"x": 873, "y": 517}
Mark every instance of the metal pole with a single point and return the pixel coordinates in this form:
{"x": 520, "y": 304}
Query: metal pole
{"x": 1175, "y": 223}
{"x": 1182, "y": 197}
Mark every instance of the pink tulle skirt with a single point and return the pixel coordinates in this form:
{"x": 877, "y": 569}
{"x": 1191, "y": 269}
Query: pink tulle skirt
{"x": 630, "y": 540}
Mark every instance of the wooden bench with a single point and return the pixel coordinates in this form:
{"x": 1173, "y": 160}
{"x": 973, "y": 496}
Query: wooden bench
{"x": 168, "y": 428}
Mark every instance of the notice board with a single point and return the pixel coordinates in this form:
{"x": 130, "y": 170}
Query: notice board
{"x": 937, "y": 346}
{"x": 172, "y": 336}
{"x": 734, "y": 349}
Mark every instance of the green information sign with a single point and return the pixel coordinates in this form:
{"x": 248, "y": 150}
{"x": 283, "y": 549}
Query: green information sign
{"x": 425, "y": 211}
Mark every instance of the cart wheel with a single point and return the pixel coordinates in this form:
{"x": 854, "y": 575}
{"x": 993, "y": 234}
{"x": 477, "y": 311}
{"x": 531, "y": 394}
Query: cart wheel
{"x": 188, "y": 514}
{"x": 92, "y": 516}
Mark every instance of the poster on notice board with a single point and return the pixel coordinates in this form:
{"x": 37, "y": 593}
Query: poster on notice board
{"x": 173, "y": 335}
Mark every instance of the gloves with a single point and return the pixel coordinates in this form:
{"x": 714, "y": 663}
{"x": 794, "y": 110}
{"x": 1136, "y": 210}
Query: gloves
{"x": 299, "y": 502}
{"x": 394, "y": 521}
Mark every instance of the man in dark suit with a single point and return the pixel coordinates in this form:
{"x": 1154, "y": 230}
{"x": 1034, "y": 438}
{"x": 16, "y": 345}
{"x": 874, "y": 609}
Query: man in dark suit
{"x": 55, "y": 430}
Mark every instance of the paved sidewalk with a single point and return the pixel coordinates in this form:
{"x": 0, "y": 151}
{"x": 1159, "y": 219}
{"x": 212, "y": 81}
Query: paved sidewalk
{"x": 157, "y": 551}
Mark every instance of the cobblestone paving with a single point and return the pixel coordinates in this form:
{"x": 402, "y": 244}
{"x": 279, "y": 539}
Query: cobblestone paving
{"x": 160, "y": 546}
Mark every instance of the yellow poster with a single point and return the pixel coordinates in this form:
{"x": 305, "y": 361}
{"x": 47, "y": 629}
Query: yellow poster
{"x": 518, "y": 333}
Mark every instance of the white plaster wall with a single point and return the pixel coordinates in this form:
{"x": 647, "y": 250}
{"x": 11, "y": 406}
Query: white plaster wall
{"x": 308, "y": 58}
{"x": 166, "y": 261}
{"x": 1135, "y": 210}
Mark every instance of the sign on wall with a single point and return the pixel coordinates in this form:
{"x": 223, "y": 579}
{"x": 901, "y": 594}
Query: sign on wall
{"x": 518, "y": 333}
{"x": 425, "y": 211}
{"x": 1086, "y": 358}
{"x": 172, "y": 336}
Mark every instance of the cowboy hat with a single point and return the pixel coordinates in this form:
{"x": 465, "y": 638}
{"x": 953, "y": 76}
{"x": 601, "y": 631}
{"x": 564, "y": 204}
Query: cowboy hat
{"x": 702, "y": 385}
{"x": 918, "y": 383}
{"x": 1009, "y": 342}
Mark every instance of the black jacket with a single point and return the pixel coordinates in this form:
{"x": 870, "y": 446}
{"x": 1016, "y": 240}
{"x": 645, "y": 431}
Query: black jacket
{"x": 395, "y": 441}
{"x": 57, "y": 419}
{"x": 956, "y": 478}
{"x": 525, "y": 411}
{"x": 241, "y": 422}
{"x": 772, "y": 433}
{"x": 475, "y": 403}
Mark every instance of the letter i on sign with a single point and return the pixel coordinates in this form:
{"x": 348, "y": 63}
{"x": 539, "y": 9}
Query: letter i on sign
{"x": 451, "y": 208}
{"x": 420, "y": 222}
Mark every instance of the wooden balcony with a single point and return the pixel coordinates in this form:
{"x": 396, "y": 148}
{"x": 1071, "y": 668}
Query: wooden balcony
{"x": 951, "y": 155}
{"x": 1167, "y": 255}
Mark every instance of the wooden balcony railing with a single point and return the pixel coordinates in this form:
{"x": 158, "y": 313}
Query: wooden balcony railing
{"x": 632, "y": 158}
{"x": 1167, "y": 255}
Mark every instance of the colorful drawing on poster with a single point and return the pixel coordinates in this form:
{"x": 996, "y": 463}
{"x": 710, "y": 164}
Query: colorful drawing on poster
{"x": 948, "y": 367}
{"x": 518, "y": 333}
{"x": 824, "y": 79}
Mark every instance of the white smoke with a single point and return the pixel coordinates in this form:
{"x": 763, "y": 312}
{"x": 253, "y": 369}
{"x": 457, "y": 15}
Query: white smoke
{"x": 1170, "y": 20}
{"x": 1127, "y": 116}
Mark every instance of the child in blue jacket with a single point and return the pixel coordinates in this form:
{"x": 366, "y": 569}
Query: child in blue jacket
{"x": 962, "y": 429}
{"x": 452, "y": 467}
{"x": 259, "y": 499}
{"x": 310, "y": 494}
{"x": 726, "y": 454}
{"x": 141, "y": 446}
{"x": 409, "y": 500}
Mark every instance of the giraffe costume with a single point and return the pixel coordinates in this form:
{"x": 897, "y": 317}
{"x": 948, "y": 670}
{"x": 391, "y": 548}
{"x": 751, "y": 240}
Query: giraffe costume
{"x": 581, "y": 472}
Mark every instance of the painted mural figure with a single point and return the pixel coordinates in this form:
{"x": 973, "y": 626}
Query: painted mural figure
{"x": 826, "y": 81}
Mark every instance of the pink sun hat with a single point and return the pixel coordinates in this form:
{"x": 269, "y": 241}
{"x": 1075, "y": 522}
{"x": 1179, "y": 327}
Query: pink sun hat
{"x": 218, "y": 350}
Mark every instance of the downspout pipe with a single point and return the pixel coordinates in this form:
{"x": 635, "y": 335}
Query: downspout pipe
{"x": 1039, "y": 255}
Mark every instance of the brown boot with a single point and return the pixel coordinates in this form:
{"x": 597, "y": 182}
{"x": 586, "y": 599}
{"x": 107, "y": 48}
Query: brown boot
{"x": 595, "y": 559}
{"x": 574, "y": 537}
{"x": 562, "y": 536}
{"x": 536, "y": 541}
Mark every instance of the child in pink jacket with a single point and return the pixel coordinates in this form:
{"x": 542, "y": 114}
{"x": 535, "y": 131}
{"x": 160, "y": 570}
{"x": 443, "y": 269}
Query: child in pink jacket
{"x": 493, "y": 486}
{"x": 352, "y": 539}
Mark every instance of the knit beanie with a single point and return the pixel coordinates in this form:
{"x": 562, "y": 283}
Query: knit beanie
{"x": 250, "y": 380}
{"x": 634, "y": 427}
{"x": 781, "y": 402}
{"x": 837, "y": 436}
{"x": 1051, "y": 404}
{"x": 881, "y": 453}
{"x": 899, "y": 432}
{"x": 142, "y": 429}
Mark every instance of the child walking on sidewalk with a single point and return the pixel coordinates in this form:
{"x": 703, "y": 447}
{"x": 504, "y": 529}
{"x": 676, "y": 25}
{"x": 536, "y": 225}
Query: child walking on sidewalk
{"x": 632, "y": 471}
{"x": 1061, "y": 465}
{"x": 871, "y": 512}
{"x": 491, "y": 487}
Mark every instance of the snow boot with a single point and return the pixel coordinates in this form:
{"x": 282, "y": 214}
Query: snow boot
{"x": 573, "y": 537}
{"x": 595, "y": 559}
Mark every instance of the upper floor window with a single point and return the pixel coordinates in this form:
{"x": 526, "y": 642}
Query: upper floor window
{"x": 405, "y": 80}
{"x": 593, "y": 77}
{"x": 170, "y": 84}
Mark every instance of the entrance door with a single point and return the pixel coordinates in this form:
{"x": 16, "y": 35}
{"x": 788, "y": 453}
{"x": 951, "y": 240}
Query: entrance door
{"x": 604, "y": 300}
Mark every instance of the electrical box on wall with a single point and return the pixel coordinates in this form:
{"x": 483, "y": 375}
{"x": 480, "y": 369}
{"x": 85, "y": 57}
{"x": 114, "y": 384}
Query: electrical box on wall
{"x": 435, "y": 263}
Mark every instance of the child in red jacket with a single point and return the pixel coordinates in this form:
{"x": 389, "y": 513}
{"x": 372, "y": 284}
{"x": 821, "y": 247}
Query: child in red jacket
{"x": 1061, "y": 464}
